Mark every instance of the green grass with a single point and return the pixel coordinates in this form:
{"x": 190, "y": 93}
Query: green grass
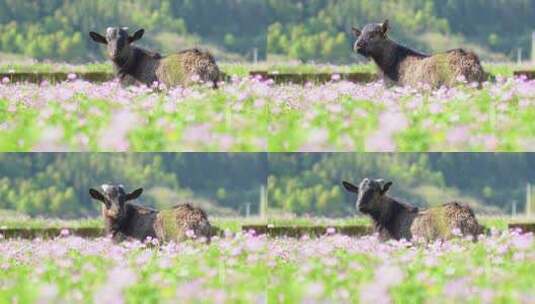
{"x": 242, "y": 69}
{"x": 318, "y": 68}
{"x": 244, "y": 269}
{"x": 497, "y": 222}
{"x": 506, "y": 69}
{"x": 247, "y": 116}
{"x": 55, "y": 67}
{"x": 241, "y": 270}
{"x": 238, "y": 69}
{"x": 11, "y": 220}
{"x": 496, "y": 69}
{"x": 319, "y": 221}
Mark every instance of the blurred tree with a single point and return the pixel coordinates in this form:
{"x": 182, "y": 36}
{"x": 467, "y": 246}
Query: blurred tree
{"x": 310, "y": 183}
{"x": 57, "y": 184}
{"x": 317, "y": 30}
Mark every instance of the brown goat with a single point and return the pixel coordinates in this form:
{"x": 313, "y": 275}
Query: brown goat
{"x": 134, "y": 64}
{"x": 124, "y": 220}
{"x": 393, "y": 219}
{"x": 404, "y": 66}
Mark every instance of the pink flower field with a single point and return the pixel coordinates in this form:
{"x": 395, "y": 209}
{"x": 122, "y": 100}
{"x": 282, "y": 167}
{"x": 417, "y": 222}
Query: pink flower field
{"x": 245, "y": 268}
{"x": 250, "y": 114}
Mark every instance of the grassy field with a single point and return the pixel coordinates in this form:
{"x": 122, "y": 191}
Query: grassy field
{"x": 9, "y": 220}
{"x": 244, "y": 268}
{"x": 231, "y": 69}
{"x": 242, "y": 69}
{"x": 251, "y": 115}
{"x": 496, "y": 222}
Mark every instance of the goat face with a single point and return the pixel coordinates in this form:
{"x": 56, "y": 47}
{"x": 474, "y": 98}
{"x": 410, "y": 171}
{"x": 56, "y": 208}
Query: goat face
{"x": 371, "y": 38}
{"x": 114, "y": 198}
{"x": 369, "y": 193}
{"x": 118, "y": 42}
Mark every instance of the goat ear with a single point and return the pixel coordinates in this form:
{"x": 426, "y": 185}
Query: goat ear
{"x": 350, "y": 187}
{"x": 96, "y": 195}
{"x": 356, "y": 32}
{"x": 137, "y": 35}
{"x": 386, "y": 187}
{"x": 385, "y": 26}
{"x": 98, "y": 38}
{"x": 134, "y": 194}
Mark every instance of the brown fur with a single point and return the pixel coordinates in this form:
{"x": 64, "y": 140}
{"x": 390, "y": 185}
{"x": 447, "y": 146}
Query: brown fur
{"x": 441, "y": 222}
{"x": 442, "y": 69}
{"x": 393, "y": 219}
{"x": 187, "y": 219}
{"x": 194, "y": 63}
{"x": 124, "y": 219}
{"x": 137, "y": 65}
{"x": 149, "y": 69}
{"x": 403, "y": 66}
{"x": 431, "y": 224}
{"x": 141, "y": 222}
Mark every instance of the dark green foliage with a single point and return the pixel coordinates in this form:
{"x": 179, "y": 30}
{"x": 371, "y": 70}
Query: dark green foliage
{"x": 311, "y": 183}
{"x": 309, "y": 30}
{"x": 57, "y": 184}
{"x": 59, "y": 29}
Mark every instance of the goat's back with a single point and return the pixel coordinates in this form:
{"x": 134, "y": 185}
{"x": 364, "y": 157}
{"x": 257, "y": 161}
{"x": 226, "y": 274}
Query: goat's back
{"x": 442, "y": 222}
{"x": 442, "y": 69}
{"x": 184, "y": 221}
{"x": 182, "y": 68}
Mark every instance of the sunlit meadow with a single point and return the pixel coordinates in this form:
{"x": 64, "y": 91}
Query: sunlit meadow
{"x": 253, "y": 114}
{"x": 82, "y": 116}
{"x": 342, "y": 116}
{"x": 244, "y": 268}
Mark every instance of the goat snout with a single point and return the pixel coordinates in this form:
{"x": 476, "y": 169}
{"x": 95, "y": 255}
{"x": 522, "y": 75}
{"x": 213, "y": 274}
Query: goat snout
{"x": 112, "y": 213}
{"x": 359, "y": 45}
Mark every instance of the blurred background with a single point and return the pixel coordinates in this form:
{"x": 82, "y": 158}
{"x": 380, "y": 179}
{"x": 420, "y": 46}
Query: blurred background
{"x": 58, "y": 29}
{"x": 259, "y": 184}
{"x": 249, "y": 30}
{"x": 320, "y": 29}
{"x": 493, "y": 184}
{"x": 57, "y": 184}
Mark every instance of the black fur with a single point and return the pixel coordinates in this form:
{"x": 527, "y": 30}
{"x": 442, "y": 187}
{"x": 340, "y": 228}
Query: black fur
{"x": 131, "y": 66}
{"x": 389, "y": 59}
{"x": 387, "y": 218}
{"x": 134, "y": 223}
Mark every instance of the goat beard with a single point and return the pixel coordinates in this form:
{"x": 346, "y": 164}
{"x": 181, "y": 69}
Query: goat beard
{"x": 363, "y": 52}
